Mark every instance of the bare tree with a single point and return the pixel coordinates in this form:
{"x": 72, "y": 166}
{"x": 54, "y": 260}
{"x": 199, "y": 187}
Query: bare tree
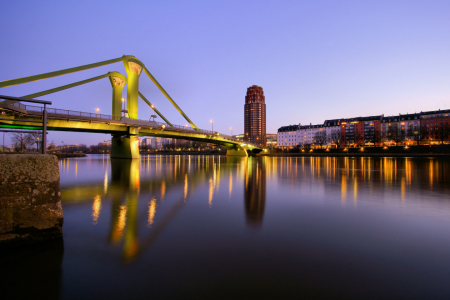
{"x": 442, "y": 134}
{"x": 22, "y": 140}
{"x": 424, "y": 134}
{"x": 320, "y": 137}
{"x": 335, "y": 137}
{"x": 396, "y": 135}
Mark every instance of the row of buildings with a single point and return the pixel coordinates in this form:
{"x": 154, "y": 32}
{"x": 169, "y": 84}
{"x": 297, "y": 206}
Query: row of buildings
{"x": 424, "y": 127}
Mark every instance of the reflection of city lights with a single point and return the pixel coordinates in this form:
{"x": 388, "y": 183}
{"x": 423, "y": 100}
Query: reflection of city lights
{"x": 105, "y": 183}
{"x": 230, "y": 184}
{"x": 163, "y": 189}
{"x": 122, "y": 220}
{"x": 151, "y": 211}
{"x": 96, "y": 206}
{"x": 185, "y": 185}
{"x": 211, "y": 191}
{"x": 344, "y": 189}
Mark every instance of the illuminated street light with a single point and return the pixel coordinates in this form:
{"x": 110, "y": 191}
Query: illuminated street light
{"x": 231, "y": 131}
{"x": 212, "y": 125}
{"x": 96, "y": 111}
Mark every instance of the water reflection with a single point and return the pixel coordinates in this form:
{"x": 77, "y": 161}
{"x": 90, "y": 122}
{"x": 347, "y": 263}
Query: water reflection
{"x": 255, "y": 191}
{"x": 144, "y": 196}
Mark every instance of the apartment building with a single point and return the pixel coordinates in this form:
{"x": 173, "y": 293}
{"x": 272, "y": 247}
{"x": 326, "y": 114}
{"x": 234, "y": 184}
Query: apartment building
{"x": 434, "y": 125}
{"x": 306, "y": 135}
{"x": 287, "y": 136}
{"x": 360, "y": 131}
{"x": 430, "y": 126}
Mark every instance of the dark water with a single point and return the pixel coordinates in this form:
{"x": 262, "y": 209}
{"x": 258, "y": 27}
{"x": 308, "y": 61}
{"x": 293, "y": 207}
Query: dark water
{"x": 191, "y": 227}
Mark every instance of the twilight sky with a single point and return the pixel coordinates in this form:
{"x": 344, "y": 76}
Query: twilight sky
{"x": 315, "y": 60}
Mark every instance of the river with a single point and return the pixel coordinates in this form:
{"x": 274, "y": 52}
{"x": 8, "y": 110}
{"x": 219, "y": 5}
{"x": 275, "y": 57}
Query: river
{"x": 216, "y": 227}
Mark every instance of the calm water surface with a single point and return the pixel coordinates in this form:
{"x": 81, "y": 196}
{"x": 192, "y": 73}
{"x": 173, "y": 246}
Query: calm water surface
{"x": 218, "y": 227}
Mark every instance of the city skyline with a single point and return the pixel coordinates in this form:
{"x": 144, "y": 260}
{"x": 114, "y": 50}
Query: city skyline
{"x": 316, "y": 61}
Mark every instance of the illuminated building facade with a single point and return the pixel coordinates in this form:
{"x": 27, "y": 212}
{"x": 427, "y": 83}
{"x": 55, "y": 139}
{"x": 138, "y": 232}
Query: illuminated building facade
{"x": 429, "y": 127}
{"x": 255, "y": 116}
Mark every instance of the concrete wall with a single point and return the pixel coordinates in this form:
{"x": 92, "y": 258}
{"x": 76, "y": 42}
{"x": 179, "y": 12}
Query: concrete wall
{"x": 30, "y": 198}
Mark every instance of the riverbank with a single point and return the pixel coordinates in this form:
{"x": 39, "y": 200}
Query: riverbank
{"x": 361, "y": 154}
{"x": 58, "y": 155}
{"x": 442, "y": 151}
{"x": 67, "y": 155}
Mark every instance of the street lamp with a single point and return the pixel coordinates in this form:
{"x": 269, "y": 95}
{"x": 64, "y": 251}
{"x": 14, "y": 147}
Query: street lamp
{"x": 212, "y": 125}
{"x": 231, "y": 129}
{"x": 96, "y": 111}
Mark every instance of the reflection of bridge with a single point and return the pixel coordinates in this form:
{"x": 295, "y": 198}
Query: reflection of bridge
{"x": 137, "y": 198}
{"x": 124, "y": 130}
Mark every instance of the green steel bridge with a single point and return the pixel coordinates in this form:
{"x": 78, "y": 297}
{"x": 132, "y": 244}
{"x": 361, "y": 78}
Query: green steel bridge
{"x": 123, "y": 125}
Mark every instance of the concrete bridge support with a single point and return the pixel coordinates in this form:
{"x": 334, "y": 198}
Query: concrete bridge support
{"x": 118, "y": 82}
{"x": 125, "y": 146}
{"x": 236, "y": 151}
{"x": 134, "y": 69}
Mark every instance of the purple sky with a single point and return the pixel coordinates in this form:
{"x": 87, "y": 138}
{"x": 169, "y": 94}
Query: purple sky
{"x": 315, "y": 60}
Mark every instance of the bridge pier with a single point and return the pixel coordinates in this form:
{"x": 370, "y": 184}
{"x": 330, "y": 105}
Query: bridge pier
{"x": 235, "y": 150}
{"x": 134, "y": 69}
{"x": 125, "y": 147}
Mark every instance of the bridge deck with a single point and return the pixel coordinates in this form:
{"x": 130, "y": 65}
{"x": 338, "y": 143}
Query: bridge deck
{"x": 68, "y": 120}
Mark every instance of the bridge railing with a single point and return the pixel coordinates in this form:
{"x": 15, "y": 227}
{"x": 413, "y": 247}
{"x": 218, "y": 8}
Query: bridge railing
{"x": 71, "y": 113}
{"x": 15, "y": 104}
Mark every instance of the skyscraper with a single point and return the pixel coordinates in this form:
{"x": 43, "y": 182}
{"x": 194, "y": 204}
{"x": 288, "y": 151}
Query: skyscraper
{"x": 255, "y": 116}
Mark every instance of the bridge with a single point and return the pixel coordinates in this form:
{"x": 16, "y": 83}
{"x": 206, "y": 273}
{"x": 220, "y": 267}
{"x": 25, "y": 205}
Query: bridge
{"x": 123, "y": 125}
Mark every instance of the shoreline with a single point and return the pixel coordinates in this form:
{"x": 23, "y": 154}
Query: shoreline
{"x": 440, "y": 155}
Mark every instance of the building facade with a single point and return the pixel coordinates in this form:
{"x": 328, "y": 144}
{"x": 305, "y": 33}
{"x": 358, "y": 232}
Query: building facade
{"x": 361, "y": 131}
{"x": 287, "y": 136}
{"x": 309, "y": 135}
{"x": 271, "y": 140}
{"x": 333, "y": 130}
{"x": 430, "y": 127}
{"x": 434, "y": 126}
{"x": 255, "y": 116}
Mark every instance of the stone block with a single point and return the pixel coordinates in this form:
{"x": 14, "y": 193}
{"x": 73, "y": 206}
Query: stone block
{"x": 30, "y": 196}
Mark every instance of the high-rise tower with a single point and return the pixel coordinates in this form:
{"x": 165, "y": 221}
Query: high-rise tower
{"x": 255, "y": 116}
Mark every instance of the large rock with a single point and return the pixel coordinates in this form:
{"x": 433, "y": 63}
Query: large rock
{"x": 30, "y": 197}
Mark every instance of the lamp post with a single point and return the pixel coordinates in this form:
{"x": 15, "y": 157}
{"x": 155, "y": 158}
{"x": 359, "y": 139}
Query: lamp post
{"x": 231, "y": 131}
{"x": 212, "y": 125}
{"x": 96, "y": 111}
{"x": 37, "y": 144}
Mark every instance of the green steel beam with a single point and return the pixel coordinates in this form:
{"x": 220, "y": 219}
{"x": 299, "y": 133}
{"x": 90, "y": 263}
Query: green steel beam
{"x": 58, "y": 73}
{"x": 169, "y": 98}
{"x": 65, "y": 87}
{"x": 20, "y": 127}
{"x": 153, "y": 107}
